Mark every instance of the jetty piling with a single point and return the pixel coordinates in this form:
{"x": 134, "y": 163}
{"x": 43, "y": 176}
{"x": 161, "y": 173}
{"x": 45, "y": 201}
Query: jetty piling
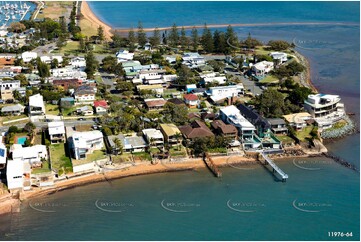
{"x": 211, "y": 165}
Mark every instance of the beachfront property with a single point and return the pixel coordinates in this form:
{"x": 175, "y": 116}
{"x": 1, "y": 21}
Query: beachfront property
{"x": 280, "y": 57}
{"x": 15, "y": 110}
{"x": 3, "y": 154}
{"x": 36, "y": 105}
{"x": 297, "y": 120}
{"x": 246, "y": 130}
{"x": 124, "y": 55}
{"x": 278, "y": 126}
{"x": 262, "y": 68}
{"x": 191, "y": 100}
{"x": 195, "y": 129}
{"x": 326, "y": 109}
{"x": 85, "y": 94}
{"x": 154, "y": 137}
{"x": 34, "y": 155}
{"x": 131, "y": 144}
{"x": 172, "y": 135}
{"x": 228, "y": 131}
{"x": 18, "y": 175}
{"x": 56, "y": 132}
{"x": 101, "y": 107}
{"x": 84, "y": 143}
{"x": 28, "y": 56}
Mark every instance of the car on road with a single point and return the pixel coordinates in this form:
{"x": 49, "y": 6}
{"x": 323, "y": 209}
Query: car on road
{"x": 81, "y": 119}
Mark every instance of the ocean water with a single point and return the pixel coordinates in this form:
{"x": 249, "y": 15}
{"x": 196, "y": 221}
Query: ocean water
{"x": 247, "y": 203}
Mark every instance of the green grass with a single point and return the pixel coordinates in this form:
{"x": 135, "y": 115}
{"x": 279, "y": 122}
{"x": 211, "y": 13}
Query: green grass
{"x": 142, "y": 156}
{"x": 11, "y": 118}
{"x": 218, "y": 150}
{"x": 44, "y": 169}
{"x": 71, "y": 48}
{"x": 68, "y": 111}
{"x": 51, "y": 109}
{"x": 177, "y": 151}
{"x": 96, "y": 155}
{"x": 269, "y": 79}
{"x": 58, "y": 158}
{"x": 285, "y": 139}
{"x": 261, "y": 51}
{"x": 304, "y": 133}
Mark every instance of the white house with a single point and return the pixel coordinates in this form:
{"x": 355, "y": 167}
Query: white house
{"x": 85, "y": 110}
{"x": 124, "y": 55}
{"x": 262, "y": 68}
{"x": 56, "y": 132}
{"x": 219, "y": 79}
{"x": 279, "y": 56}
{"x": 297, "y": 120}
{"x": 48, "y": 59}
{"x": 78, "y": 62}
{"x": 36, "y": 105}
{"x": 68, "y": 72}
{"x": 84, "y": 143}
{"x": 84, "y": 94}
{"x": 222, "y": 92}
{"x": 193, "y": 59}
{"x": 246, "y": 130}
{"x": 28, "y": 56}
{"x": 15, "y": 174}
{"x": 154, "y": 137}
{"x": 32, "y": 154}
{"x": 9, "y": 84}
{"x": 3, "y": 154}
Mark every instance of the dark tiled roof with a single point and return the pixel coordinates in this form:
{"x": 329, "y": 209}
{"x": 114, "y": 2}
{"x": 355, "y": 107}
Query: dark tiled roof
{"x": 276, "y": 121}
{"x": 224, "y": 128}
{"x": 84, "y": 90}
{"x": 196, "y": 129}
{"x": 176, "y": 101}
{"x": 208, "y": 115}
{"x": 253, "y": 117}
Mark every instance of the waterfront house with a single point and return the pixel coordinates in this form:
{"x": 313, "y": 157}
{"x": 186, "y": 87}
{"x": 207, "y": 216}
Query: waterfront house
{"x": 326, "y": 109}
{"x": 16, "y": 109}
{"x": 195, "y": 129}
{"x": 191, "y": 100}
{"x": 131, "y": 144}
{"x": 34, "y": 155}
{"x": 246, "y": 130}
{"x": 226, "y": 130}
{"x": 15, "y": 174}
{"x": 255, "y": 118}
{"x": 297, "y": 120}
{"x": 84, "y": 94}
{"x": 36, "y": 105}
{"x": 278, "y": 125}
{"x": 154, "y": 137}
{"x": 101, "y": 107}
{"x": 172, "y": 135}
{"x": 56, "y": 132}
{"x": 155, "y": 103}
{"x": 85, "y": 111}
{"x": 84, "y": 143}
{"x": 280, "y": 57}
{"x": 3, "y": 154}
{"x": 262, "y": 68}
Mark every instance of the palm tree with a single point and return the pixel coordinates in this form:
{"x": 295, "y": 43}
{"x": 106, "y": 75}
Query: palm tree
{"x": 178, "y": 136}
{"x": 118, "y": 145}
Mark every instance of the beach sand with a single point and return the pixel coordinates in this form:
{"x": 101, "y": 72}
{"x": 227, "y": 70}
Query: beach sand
{"x": 94, "y": 21}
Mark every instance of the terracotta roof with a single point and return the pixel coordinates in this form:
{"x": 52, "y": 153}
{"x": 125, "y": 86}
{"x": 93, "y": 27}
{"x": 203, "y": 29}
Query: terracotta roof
{"x": 7, "y": 61}
{"x": 101, "y": 103}
{"x": 155, "y": 103}
{"x": 196, "y": 129}
{"x": 190, "y": 97}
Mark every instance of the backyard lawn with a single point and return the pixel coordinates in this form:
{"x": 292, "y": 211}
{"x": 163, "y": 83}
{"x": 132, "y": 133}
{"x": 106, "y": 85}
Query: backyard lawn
{"x": 52, "y": 109}
{"x": 285, "y": 139}
{"x": 177, "y": 151}
{"x": 58, "y": 158}
{"x": 304, "y": 133}
{"x": 96, "y": 155}
{"x": 270, "y": 79}
{"x": 44, "y": 169}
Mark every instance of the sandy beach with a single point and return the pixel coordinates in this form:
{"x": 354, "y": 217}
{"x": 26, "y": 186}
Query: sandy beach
{"x": 95, "y": 21}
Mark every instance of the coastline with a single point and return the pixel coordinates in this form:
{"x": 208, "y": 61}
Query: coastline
{"x": 89, "y": 15}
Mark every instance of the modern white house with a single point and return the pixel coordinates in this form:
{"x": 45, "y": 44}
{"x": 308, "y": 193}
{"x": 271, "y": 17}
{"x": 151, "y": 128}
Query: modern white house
{"x": 246, "y": 130}
{"x": 3, "y": 154}
{"x": 36, "y": 105}
{"x": 84, "y": 143}
{"x": 15, "y": 174}
{"x": 222, "y": 92}
{"x": 154, "y": 137}
{"x": 56, "y": 132}
{"x": 281, "y": 57}
{"x": 33, "y": 155}
{"x": 28, "y": 56}
{"x": 124, "y": 55}
{"x": 262, "y": 68}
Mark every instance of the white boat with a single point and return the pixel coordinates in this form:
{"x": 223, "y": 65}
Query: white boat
{"x": 7, "y": 18}
{"x": 13, "y": 17}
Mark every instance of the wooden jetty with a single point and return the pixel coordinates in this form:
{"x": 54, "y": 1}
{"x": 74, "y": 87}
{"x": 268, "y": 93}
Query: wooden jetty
{"x": 211, "y": 165}
{"x": 275, "y": 168}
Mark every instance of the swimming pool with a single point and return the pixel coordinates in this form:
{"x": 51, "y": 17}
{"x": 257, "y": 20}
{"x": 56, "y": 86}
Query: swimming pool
{"x": 21, "y": 140}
